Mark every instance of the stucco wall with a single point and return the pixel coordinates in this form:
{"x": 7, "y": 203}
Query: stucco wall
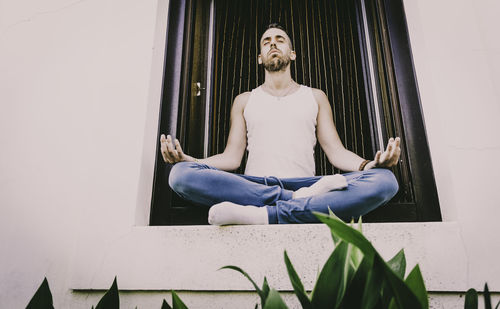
{"x": 74, "y": 83}
{"x": 456, "y": 52}
{"x": 75, "y": 113}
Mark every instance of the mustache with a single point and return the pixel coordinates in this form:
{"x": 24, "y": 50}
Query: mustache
{"x": 272, "y": 50}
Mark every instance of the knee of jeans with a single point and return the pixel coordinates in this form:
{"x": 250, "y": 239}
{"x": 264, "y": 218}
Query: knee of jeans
{"x": 178, "y": 178}
{"x": 387, "y": 185}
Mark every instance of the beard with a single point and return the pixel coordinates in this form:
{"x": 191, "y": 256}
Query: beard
{"x": 275, "y": 64}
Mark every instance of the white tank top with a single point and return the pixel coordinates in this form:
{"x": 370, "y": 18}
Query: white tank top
{"x": 281, "y": 133}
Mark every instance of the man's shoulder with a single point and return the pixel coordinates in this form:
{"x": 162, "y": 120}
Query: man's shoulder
{"x": 319, "y": 95}
{"x": 318, "y": 92}
{"x": 240, "y": 101}
{"x": 243, "y": 96}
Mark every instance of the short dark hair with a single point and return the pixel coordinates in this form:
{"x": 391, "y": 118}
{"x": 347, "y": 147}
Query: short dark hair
{"x": 274, "y": 25}
{"x": 277, "y": 26}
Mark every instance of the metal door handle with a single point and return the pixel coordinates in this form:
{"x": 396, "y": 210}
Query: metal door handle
{"x": 197, "y": 89}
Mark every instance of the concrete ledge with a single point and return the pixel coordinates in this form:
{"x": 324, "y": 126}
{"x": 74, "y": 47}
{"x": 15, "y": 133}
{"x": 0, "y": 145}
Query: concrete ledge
{"x": 188, "y": 257}
{"x": 220, "y": 300}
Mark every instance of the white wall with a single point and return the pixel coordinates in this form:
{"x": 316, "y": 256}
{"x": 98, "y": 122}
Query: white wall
{"x": 74, "y": 88}
{"x": 457, "y": 56}
{"x": 74, "y": 82}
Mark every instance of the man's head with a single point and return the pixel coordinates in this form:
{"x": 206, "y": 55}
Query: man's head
{"x": 276, "y": 50}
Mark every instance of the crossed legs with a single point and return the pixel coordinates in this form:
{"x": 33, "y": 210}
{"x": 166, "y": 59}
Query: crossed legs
{"x": 243, "y": 199}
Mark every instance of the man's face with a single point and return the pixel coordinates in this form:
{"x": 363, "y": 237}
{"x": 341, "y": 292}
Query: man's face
{"x": 275, "y": 50}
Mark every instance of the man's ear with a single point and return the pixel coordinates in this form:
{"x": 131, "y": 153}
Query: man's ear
{"x": 259, "y": 59}
{"x": 293, "y": 55}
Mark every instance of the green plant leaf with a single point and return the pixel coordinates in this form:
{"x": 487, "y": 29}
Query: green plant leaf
{"x": 335, "y": 238}
{"x": 259, "y": 291}
{"x": 355, "y": 254}
{"x": 298, "y": 287}
{"x": 329, "y": 288}
{"x": 471, "y": 299}
{"x": 487, "y": 297}
{"x": 372, "y": 291}
{"x": 415, "y": 282}
{"x": 403, "y": 296}
{"x": 356, "y": 286}
{"x": 110, "y": 300}
{"x": 398, "y": 264}
{"x": 349, "y": 267}
{"x": 265, "y": 288}
{"x": 274, "y": 301}
{"x": 42, "y": 298}
{"x": 348, "y": 234}
{"x": 177, "y": 302}
{"x": 165, "y": 305}
{"x": 360, "y": 227}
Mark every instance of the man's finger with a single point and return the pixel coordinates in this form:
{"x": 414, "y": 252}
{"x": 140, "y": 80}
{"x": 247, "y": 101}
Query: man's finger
{"x": 395, "y": 156}
{"x": 166, "y": 159}
{"x": 170, "y": 148}
{"x": 163, "y": 148}
{"x": 179, "y": 149}
{"x": 397, "y": 142}
{"x": 377, "y": 157}
{"x": 392, "y": 151}
{"x": 390, "y": 145}
{"x": 164, "y": 154}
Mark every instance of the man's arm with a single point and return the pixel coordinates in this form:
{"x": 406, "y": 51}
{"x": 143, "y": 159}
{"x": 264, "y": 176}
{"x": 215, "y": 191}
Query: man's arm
{"x": 331, "y": 144}
{"x": 230, "y": 159}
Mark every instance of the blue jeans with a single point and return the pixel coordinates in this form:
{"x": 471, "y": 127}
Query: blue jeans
{"x": 205, "y": 185}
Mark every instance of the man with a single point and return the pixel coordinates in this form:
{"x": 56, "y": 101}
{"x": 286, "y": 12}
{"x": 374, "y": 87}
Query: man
{"x": 278, "y": 123}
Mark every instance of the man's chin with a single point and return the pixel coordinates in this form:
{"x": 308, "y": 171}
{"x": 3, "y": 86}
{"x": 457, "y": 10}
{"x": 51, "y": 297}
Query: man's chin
{"x": 275, "y": 65}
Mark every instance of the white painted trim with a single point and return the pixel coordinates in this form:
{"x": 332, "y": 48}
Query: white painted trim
{"x": 372, "y": 77}
{"x": 208, "y": 91}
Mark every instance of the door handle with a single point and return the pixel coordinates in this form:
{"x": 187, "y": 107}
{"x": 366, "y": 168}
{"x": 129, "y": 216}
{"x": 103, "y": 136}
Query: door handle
{"x": 197, "y": 89}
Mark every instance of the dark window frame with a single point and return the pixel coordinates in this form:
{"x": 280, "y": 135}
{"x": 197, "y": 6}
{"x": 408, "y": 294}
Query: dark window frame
{"x": 412, "y": 127}
{"x": 410, "y": 121}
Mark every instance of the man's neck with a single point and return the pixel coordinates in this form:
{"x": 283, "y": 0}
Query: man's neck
{"x": 278, "y": 80}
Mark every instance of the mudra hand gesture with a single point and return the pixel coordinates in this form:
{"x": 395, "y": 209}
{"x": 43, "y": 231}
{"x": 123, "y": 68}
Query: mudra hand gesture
{"x": 172, "y": 151}
{"x": 389, "y": 157}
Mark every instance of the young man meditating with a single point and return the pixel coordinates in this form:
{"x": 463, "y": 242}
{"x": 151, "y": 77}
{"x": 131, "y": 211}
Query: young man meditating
{"x": 278, "y": 123}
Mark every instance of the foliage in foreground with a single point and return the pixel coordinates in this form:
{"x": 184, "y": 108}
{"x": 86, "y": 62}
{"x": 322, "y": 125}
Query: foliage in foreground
{"x": 471, "y": 299}
{"x": 354, "y": 276}
{"x": 43, "y": 299}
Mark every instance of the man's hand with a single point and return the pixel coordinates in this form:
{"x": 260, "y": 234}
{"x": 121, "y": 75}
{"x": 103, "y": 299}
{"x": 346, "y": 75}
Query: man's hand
{"x": 389, "y": 157}
{"x": 172, "y": 151}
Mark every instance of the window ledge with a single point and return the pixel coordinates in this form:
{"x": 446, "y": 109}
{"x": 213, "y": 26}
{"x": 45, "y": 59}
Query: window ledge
{"x": 188, "y": 257}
